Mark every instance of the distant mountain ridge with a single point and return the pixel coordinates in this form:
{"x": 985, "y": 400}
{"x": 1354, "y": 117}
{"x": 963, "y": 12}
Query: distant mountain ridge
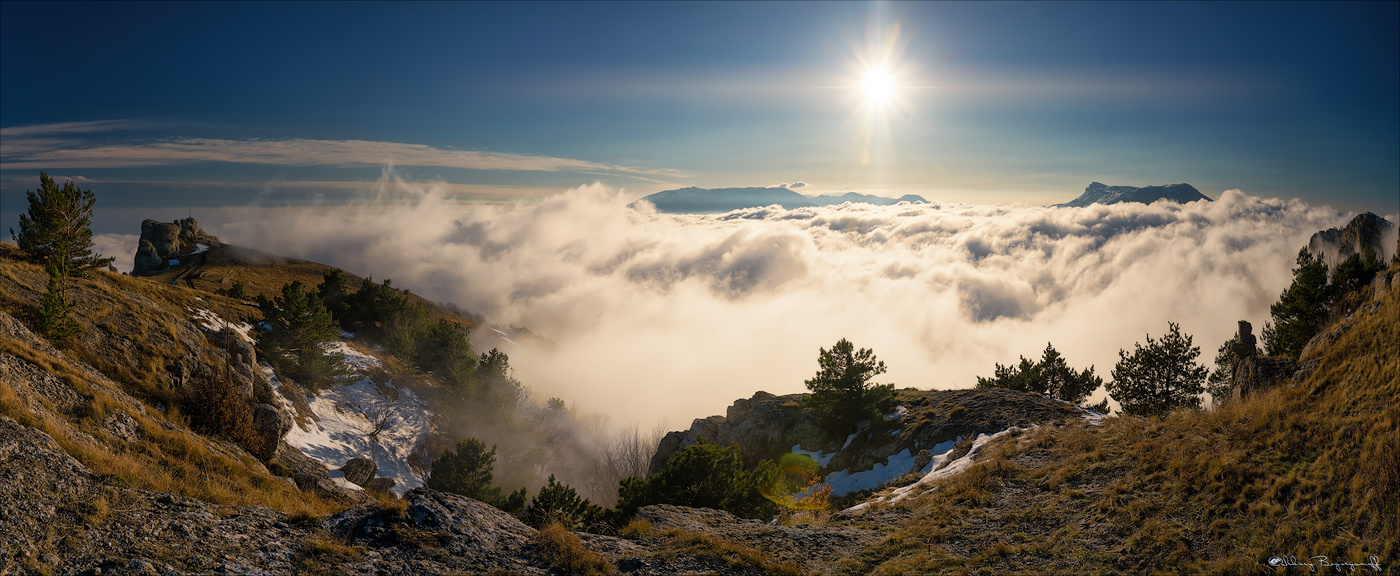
{"x": 694, "y": 200}
{"x": 1100, "y": 193}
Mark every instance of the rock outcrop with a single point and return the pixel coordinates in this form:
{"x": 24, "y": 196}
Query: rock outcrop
{"x": 1245, "y": 343}
{"x": 360, "y": 470}
{"x": 1254, "y": 374}
{"x": 161, "y": 241}
{"x": 1365, "y": 230}
{"x": 272, "y": 424}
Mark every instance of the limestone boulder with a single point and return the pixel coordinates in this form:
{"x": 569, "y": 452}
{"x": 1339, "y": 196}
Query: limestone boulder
{"x": 360, "y": 470}
{"x": 272, "y": 425}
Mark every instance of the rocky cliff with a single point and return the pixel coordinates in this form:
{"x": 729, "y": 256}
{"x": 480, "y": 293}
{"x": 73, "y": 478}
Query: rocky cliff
{"x": 1363, "y": 231}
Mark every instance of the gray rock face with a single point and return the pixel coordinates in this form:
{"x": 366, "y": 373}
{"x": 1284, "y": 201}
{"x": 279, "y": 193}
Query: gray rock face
{"x": 161, "y": 241}
{"x": 272, "y": 425}
{"x": 147, "y": 258}
{"x": 380, "y": 485}
{"x": 38, "y": 476}
{"x": 1254, "y": 374}
{"x": 1365, "y": 230}
{"x": 360, "y": 470}
{"x": 310, "y": 475}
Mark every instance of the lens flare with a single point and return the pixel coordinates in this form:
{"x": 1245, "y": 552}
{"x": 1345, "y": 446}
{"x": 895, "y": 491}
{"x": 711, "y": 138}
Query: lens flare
{"x": 879, "y": 87}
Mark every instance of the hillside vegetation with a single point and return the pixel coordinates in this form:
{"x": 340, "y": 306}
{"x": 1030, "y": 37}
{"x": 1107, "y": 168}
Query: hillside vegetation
{"x": 1307, "y": 468}
{"x": 107, "y": 395}
{"x": 1300, "y": 465}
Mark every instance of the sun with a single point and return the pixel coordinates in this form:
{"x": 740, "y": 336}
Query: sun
{"x": 878, "y": 86}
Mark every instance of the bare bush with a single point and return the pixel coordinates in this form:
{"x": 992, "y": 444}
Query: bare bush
{"x": 626, "y": 455}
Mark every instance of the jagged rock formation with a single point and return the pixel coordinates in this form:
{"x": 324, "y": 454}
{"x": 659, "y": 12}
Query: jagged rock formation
{"x": 1245, "y": 342}
{"x": 1099, "y": 193}
{"x": 1336, "y": 244}
{"x": 161, "y": 241}
{"x": 768, "y": 426}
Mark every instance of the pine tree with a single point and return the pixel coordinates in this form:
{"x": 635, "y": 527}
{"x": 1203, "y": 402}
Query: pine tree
{"x": 842, "y": 393}
{"x": 297, "y": 327}
{"x": 1160, "y": 377}
{"x": 55, "y": 319}
{"x": 558, "y": 502}
{"x": 57, "y": 227}
{"x": 469, "y": 471}
{"x": 1301, "y": 309}
{"x": 1051, "y": 376}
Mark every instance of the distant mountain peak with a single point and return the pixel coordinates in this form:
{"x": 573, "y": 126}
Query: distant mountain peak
{"x": 692, "y": 200}
{"x": 1100, "y": 193}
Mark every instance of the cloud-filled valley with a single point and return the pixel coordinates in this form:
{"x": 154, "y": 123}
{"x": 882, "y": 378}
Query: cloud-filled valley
{"x": 660, "y": 316}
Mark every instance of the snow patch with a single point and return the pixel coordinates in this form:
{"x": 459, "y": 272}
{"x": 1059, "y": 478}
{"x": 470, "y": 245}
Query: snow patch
{"x": 342, "y": 432}
{"x": 200, "y": 248}
{"x": 357, "y": 360}
{"x": 843, "y": 482}
{"x": 820, "y": 457}
{"x": 940, "y": 453}
{"x": 212, "y": 321}
{"x": 953, "y": 468}
{"x": 899, "y": 412}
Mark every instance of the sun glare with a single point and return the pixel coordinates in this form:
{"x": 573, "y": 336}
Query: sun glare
{"x": 879, "y": 86}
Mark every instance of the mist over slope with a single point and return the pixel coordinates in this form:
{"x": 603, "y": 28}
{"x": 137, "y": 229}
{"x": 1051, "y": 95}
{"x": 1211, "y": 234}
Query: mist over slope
{"x": 672, "y": 316}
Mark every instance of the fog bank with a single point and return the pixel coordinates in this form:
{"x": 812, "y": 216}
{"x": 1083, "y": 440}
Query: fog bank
{"x": 658, "y": 316}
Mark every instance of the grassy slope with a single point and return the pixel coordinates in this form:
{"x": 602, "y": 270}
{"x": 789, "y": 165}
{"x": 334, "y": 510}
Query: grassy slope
{"x": 133, "y": 330}
{"x": 1305, "y": 470}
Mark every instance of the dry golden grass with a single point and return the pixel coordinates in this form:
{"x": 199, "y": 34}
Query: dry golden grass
{"x": 1294, "y": 471}
{"x": 168, "y": 457}
{"x": 563, "y": 550}
{"x": 737, "y": 556}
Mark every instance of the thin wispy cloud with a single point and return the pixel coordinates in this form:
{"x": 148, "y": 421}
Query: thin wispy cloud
{"x": 52, "y": 147}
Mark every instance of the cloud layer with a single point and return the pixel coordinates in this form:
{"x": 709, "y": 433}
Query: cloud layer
{"x": 674, "y": 316}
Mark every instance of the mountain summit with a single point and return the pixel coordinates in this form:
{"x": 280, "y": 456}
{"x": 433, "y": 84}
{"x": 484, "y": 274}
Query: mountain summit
{"x": 1100, "y": 193}
{"x": 694, "y": 200}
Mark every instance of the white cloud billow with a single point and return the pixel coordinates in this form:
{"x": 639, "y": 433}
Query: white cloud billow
{"x": 674, "y": 316}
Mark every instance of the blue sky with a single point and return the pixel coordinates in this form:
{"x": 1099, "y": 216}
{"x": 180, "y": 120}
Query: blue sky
{"x": 195, "y": 105}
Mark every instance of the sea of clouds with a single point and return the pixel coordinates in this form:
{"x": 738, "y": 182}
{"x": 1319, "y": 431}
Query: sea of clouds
{"x": 671, "y": 317}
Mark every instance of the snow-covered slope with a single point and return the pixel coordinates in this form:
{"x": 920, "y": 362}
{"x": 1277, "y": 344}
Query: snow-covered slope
{"x": 343, "y": 420}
